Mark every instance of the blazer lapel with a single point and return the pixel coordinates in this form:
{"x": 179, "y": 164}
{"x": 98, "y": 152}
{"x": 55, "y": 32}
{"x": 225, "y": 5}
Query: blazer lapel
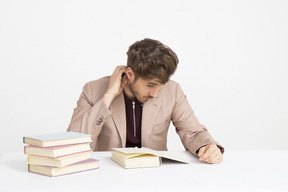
{"x": 150, "y": 110}
{"x": 119, "y": 116}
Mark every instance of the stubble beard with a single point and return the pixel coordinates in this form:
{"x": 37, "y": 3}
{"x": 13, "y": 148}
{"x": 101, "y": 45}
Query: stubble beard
{"x": 136, "y": 95}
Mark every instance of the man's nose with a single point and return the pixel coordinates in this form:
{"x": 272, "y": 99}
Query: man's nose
{"x": 154, "y": 93}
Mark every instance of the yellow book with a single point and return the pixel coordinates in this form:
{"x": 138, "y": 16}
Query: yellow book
{"x": 85, "y": 165}
{"x": 141, "y": 157}
{"x": 56, "y": 151}
{"x": 59, "y": 161}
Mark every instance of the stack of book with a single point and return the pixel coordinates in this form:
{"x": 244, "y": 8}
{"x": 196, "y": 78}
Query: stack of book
{"x": 59, "y": 153}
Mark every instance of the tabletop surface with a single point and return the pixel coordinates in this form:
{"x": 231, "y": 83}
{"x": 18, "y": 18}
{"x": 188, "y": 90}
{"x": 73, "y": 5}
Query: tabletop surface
{"x": 263, "y": 170}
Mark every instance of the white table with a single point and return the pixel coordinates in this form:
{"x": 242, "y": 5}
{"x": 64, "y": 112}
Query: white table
{"x": 265, "y": 170}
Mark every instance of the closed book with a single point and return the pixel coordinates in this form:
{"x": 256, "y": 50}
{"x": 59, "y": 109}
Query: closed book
{"x": 85, "y": 165}
{"x": 59, "y": 161}
{"x": 141, "y": 157}
{"x": 56, "y": 151}
{"x": 135, "y": 160}
{"x": 56, "y": 139}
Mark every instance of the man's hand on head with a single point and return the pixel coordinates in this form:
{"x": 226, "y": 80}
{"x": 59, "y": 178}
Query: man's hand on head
{"x": 116, "y": 85}
{"x": 210, "y": 154}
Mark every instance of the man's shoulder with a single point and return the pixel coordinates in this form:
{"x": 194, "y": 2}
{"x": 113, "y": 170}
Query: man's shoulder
{"x": 171, "y": 82}
{"x": 98, "y": 86}
{"x": 99, "y": 81}
{"x": 170, "y": 88}
{"x": 170, "y": 93}
{"x": 171, "y": 85}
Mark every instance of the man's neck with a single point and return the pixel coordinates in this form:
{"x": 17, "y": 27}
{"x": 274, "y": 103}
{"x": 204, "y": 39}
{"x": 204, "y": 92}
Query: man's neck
{"x": 128, "y": 92}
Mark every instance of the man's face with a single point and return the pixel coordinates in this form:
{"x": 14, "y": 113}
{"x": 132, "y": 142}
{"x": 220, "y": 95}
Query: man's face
{"x": 143, "y": 90}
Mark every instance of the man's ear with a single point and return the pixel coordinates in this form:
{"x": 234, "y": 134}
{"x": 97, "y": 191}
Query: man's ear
{"x": 130, "y": 74}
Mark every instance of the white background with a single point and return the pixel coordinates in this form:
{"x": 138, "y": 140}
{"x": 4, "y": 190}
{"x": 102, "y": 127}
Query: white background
{"x": 233, "y": 62}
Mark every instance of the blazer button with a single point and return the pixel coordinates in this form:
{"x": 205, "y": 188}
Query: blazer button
{"x": 100, "y": 120}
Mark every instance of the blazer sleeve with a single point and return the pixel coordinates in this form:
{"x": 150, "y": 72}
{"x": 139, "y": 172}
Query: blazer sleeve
{"x": 192, "y": 134}
{"x": 89, "y": 117}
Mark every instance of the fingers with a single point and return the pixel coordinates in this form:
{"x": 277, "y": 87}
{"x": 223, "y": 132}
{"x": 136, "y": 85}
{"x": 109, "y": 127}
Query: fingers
{"x": 119, "y": 70}
{"x": 118, "y": 73}
{"x": 210, "y": 154}
{"x": 201, "y": 151}
{"x": 124, "y": 81}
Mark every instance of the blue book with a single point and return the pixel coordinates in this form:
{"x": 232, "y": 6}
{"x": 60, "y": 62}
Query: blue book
{"x": 57, "y": 139}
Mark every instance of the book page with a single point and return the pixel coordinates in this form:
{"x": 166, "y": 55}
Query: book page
{"x": 131, "y": 155}
{"x": 143, "y": 150}
{"x": 58, "y": 136}
{"x": 167, "y": 155}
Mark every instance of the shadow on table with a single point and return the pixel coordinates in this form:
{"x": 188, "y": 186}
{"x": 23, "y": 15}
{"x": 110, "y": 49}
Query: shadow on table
{"x": 18, "y": 165}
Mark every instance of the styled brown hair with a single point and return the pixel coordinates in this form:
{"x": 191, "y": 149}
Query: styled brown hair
{"x": 151, "y": 59}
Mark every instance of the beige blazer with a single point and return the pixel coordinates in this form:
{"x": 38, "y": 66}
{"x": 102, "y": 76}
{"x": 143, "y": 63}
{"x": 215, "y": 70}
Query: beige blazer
{"x": 108, "y": 126}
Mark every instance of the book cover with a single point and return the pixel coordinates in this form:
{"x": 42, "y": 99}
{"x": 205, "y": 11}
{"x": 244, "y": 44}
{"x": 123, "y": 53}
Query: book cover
{"x": 135, "y": 160}
{"x": 56, "y": 139}
{"x": 81, "y": 166}
{"x": 56, "y": 151}
{"x": 59, "y": 161}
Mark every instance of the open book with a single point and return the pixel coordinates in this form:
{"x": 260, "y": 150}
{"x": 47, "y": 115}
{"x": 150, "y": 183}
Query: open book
{"x": 141, "y": 157}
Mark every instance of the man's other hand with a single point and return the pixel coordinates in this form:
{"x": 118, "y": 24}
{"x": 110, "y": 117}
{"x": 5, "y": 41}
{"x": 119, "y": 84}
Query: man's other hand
{"x": 210, "y": 154}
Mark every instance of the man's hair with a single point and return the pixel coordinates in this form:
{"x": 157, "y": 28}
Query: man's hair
{"x": 151, "y": 59}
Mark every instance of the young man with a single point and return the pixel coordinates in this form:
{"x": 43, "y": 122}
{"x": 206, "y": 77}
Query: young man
{"x": 135, "y": 105}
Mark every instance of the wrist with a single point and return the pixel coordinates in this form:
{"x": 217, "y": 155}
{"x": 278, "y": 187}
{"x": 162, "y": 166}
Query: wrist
{"x": 108, "y": 98}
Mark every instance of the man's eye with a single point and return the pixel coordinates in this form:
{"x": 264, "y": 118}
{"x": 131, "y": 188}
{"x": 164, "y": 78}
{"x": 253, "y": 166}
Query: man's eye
{"x": 150, "y": 85}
